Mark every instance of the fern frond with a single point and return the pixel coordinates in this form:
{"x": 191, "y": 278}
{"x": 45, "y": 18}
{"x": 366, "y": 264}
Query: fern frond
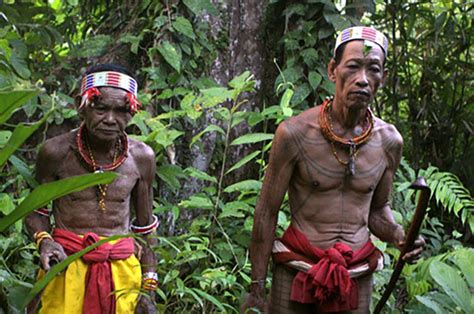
{"x": 450, "y": 193}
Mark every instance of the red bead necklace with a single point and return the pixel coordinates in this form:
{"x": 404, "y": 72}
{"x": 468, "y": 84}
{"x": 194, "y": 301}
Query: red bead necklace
{"x": 352, "y": 144}
{"x": 120, "y": 146}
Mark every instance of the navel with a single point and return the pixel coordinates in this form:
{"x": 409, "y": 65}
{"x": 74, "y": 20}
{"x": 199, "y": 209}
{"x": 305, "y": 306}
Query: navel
{"x": 315, "y": 183}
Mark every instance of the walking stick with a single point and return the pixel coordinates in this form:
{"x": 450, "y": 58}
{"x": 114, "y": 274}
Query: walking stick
{"x": 419, "y": 184}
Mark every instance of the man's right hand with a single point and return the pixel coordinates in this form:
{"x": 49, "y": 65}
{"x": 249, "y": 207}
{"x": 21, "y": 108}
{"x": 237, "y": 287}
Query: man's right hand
{"x": 51, "y": 253}
{"x": 255, "y": 302}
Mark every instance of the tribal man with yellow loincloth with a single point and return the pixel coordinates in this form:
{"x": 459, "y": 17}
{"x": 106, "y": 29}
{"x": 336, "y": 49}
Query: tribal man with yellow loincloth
{"x": 337, "y": 162}
{"x": 107, "y": 279}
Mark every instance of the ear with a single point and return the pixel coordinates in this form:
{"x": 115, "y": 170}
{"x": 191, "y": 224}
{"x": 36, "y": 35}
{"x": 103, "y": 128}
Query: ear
{"x": 332, "y": 70}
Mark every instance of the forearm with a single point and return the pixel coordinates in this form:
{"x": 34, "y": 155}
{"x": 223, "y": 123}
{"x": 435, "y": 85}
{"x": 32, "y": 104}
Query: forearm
{"x": 35, "y": 222}
{"x": 148, "y": 260}
{"x": 384, "y": 227}
{"x": 263, "y": 235}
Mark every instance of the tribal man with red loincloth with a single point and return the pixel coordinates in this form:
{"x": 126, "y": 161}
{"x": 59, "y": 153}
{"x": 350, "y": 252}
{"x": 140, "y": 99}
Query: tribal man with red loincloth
{"x": 109, "y": 278}
{"x": 337, "y": 162}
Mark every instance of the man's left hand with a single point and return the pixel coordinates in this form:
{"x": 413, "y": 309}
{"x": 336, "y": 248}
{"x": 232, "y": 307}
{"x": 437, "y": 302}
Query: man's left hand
{"x": 414, "y": 255}
{"x": 146, "y": 304}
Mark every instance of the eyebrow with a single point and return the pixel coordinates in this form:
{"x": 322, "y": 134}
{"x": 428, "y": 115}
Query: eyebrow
{"x": 365, "y": 60}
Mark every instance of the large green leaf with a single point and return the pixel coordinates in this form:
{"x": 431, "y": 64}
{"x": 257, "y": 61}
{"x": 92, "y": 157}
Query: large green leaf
{"x": 183, "y": 26}
{"x": 464, "y": 258}
{"x": 12, "y": 100}
{"x": 252, "y": 138}
{"x": 452, "y": 284}
{"x": 246, "y": 185}
{"x": 171, "y": 54}
{"x": 20, "y": 134}
{"x": 40, "y": 284}
{"x": 47, "y": 192}
{"x": 243, "y": 161}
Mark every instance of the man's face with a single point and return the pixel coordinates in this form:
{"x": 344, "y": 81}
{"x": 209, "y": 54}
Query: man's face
{"x": 107, "y": 117}
{"x": 359, "y": 74}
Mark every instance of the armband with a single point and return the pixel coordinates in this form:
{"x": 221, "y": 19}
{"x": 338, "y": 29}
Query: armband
{"x": 150, "y": 281}
{"x": 144, "y": 230}
{"x": 43, "y": 212}
{"x": 40, "y": 236}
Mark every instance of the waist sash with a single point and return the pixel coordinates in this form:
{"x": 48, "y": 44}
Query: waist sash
{"x": 327, "y": 281}
{"x": 98, "y": 296}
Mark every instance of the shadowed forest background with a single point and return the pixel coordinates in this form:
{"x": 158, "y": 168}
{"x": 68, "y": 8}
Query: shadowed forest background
{"x": 216, "y": 78}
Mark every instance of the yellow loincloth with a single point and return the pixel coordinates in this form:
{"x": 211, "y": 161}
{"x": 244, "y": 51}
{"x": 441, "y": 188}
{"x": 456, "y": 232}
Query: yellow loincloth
{"x": 65, "y": 293}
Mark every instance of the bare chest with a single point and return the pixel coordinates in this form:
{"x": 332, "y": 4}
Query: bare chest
{"x": 323, "y": 167}
{"x": 118, "y": 191}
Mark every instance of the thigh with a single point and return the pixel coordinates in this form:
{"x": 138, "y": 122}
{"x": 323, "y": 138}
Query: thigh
{"x": 365, "y": 294}
{"x": 280, "y": 302}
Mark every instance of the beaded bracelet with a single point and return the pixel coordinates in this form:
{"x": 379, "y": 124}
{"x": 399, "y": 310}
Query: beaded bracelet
{"x": 144, "y": 230}
{"x": 40, "y": 236}
{"x": 150, "y": 281}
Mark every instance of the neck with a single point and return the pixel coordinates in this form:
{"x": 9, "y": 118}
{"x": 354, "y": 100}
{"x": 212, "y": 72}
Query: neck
{"x": 101, "y": 147}
{"x": 348, "y": 118}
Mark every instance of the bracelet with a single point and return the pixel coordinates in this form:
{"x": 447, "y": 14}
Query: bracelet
{"x": 144, "y": 230}
{"x": 150, "y": 281}
{"x": 43, "y": 212}
{"x": 40, "y": 236}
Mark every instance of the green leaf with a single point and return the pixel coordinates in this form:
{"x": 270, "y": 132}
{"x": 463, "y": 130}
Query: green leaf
{"x": 431, "y": 303}
{"x": 252, "y": 138}
{"x": 209, "y": 128}
{"x": 464, "y": 258}
{"x": 197, "y": 6}
{"x": 12, "y": 100}
{"x": 41, "y": 284}
{"x": 183, "y": 26}
{"x": 197, "y": 202}
{"x": 246, "y": 185}
{"x": 133, "y": 40}
{"x": 452, "y": 284}
{"x": 210, "y": 298}
{"x": 24, "y": 171}
{"x": 198, "y": 174}
{"x": 314, "y": 79}
{"x": 243, "y": 161}
{"x": 20, "y": 134}
{"x": 171, "y": 175}
{"x": 285, "y": 102}
{"x": 171, "y": 54}
{"x": 6, "y": 204}
{"x": 215, "y": 95}
{"x": 47, "y": 192}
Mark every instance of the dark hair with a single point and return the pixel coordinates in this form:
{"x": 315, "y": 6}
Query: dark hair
{"x": 340, "y": 52}
{"x": 109, "y": 67}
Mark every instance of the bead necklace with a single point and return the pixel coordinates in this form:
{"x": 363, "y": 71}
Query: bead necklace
{"x": 121, "y": 145}
{"x": 327, "y": 129}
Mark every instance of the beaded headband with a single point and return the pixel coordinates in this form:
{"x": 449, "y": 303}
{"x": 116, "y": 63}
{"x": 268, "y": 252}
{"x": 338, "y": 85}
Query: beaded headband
{"x": 365, "y": 33}
{"x": 91, "y": 81}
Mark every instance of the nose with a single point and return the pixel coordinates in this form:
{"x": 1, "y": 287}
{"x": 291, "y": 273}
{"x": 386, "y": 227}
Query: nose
{"x": 109, "y": 118}
{"x": 362, "y": 80}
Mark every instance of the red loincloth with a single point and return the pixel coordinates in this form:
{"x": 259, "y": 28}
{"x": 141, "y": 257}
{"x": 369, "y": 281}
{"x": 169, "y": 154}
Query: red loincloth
{"x": 327, "y": 283}
{"x": 98, "y": 297}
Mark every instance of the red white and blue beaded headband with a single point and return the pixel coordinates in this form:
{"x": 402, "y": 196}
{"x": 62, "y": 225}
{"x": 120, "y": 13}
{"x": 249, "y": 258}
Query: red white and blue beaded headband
{"x": 91, "y": 81}
{"x": 364, "y": 33}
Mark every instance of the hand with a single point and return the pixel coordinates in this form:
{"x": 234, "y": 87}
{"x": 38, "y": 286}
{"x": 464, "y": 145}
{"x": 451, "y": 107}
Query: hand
{"x": 414, "y": 255}
{"x": 255, "y": 302}
{"x": 51, "y": 253}
{"x": 146, "y": 304}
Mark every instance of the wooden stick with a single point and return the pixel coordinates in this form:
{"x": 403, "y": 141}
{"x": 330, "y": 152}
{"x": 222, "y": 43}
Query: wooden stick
{"x": 419, "y": 184}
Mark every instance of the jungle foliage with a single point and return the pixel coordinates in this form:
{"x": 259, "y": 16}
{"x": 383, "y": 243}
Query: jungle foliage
{"x": 201, "y": 105}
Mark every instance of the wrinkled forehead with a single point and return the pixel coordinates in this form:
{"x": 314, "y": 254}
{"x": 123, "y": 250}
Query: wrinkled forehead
{"x": 113, "y": 96}
{"x": 363, "y": 49}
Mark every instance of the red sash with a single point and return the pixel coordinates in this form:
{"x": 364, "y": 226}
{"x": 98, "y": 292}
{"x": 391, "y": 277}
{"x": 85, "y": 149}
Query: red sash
{"x": 327, "y": 283}
{"x": 98, "y": 298}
